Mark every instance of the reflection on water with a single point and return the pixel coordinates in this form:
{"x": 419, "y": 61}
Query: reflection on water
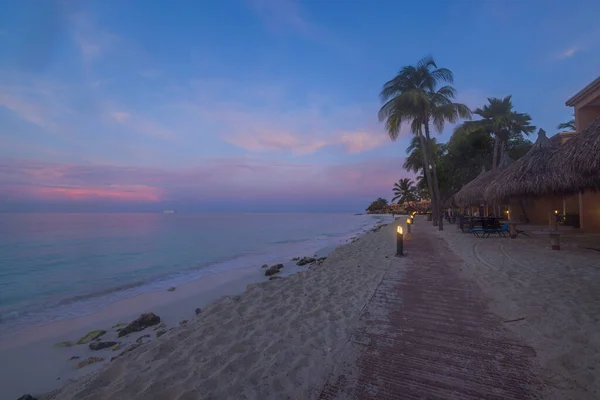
{"x": 75, "y": 260}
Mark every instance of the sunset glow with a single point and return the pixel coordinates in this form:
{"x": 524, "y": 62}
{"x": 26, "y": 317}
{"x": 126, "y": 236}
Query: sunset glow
{"x": 277, "y": 110}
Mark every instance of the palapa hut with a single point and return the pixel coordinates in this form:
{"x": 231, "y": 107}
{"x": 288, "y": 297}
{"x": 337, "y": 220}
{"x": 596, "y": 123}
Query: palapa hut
{"x": 461, "y": 198}
{"x": 532, "y": 182}
{"x": 561, "y": 175}
{"x": 581, "y": 156}
{"x": 472, "y": 194}
{"x": 579, "y": 159}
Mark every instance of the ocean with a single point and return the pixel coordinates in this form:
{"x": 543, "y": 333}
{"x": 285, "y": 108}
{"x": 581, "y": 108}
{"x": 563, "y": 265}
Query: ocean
{"x": 57, "y": 266}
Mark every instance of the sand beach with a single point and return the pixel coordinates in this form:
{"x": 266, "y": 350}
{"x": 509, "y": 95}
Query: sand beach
{"x": 294, "y": 337}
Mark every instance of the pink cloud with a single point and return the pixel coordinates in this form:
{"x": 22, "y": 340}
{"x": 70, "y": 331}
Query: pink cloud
{"x": 352, "y": 142}
{"x": 221, "y": 178}
{"x": 357, "y": 142}
{"x": 269, "y": 141}
{"x": 119, "y": 193}
{"x": 570, "y": 52}
{"x": 120, "y": 116}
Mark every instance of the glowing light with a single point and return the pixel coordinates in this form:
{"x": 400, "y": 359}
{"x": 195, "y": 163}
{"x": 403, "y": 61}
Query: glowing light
{"x": 555, "y": 211}
{"x": 408, "y": 221}
{"x": 399, "y": 229}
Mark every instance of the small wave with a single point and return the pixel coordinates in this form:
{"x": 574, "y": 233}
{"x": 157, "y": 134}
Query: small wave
{"x": 291, "y": 241}
{"x": 86, "y": 303}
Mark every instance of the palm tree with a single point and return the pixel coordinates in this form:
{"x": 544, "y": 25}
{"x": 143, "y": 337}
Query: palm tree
{"x": 412, "y": 97}
{"x": 569, "y": 125}
{"x": 414, "y": 160}
{"x": 499, "y": 119}
{"x": 404, "y": 191}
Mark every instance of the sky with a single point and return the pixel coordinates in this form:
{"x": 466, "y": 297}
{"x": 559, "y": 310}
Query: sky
{"x": 254, "y": 105}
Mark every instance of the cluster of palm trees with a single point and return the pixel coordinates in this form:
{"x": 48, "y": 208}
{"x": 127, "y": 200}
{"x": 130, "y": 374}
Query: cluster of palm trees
{"x": 405, "y": 191}
{"x": 420, "y": 98}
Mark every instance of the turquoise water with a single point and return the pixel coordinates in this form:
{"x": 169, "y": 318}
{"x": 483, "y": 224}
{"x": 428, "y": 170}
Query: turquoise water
{"x": 56, "y": 266}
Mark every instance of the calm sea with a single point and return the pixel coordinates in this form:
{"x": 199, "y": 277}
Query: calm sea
{"x": 56, "y": 266}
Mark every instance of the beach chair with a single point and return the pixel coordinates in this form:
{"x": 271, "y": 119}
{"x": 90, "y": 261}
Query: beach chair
{"x": 503, "y": 231}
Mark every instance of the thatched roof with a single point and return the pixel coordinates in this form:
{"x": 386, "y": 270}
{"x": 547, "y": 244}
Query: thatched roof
{"x": 450, "y": 202}
{"x": 472, "y": 192}
{"x": 533, "y": 175}
{"x": 462, "y": 197}
{"x": 581, "y": 156}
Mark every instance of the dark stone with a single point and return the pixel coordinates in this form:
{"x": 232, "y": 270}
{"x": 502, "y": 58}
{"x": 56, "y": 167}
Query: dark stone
{"x": 271, "y": 278}
{"x": 172, "y": 289}
{"x": 236, "y": 298}
{"x": 144, "y": 321}
{"x": 183, "y": 322}
{"x": 306, "y": 260}
{"x": 265, "y": 266}
{"x": 91, "y": 336}
{"x": 273, "y": 269}
{"x": 140, "y": 340}
{"x": 162, "y": 325}
{"x": 26, "y": 397}
{"x": 63, "y": 344}
{"x": 127, "y": 350}
{"x": 160, "y": 333}
{"x": 296, "y": 259}
{"x": 198, "y": 311}
{"x": 101, "y": 345}
{"x": 74, "y": 358}
{"x": 91, "y": 360}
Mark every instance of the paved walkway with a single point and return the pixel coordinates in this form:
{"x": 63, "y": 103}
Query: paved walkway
{"x": 427, "y": 334}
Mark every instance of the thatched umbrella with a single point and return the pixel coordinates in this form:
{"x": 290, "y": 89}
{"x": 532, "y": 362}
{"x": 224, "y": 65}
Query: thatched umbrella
{"x": 533, "y": 175}
{"x": 472, "y": 192}
{"x": 579, "y": 158}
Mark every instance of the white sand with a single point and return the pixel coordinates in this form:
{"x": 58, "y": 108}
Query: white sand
{"x": 278, "y": 339}
{"x": 281, "y": 339}
{"x": 558, "y": 294}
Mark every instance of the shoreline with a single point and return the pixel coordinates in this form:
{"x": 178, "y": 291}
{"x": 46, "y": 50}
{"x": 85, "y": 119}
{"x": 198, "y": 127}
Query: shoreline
{"x": 81, "y": 306}
{"x": 21, "y": 375}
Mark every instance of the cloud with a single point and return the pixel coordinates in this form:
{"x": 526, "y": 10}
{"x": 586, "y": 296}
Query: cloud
{"x": 91, "y": 40}
{"x": 357, "y": 142}
{"x": 120, "y": 116}
{"x": 110, "y": 193}
{"x": 75, "y": 110}
{"x": 268, "y": 117}
{"x": 570, "y": 52}
{"x": 272, "y": 141}
{"x": 216, "y": 180}
{"x": 352, "y": 142}
{"x": 25, "y": 110}
{"x": 283, "y": 15}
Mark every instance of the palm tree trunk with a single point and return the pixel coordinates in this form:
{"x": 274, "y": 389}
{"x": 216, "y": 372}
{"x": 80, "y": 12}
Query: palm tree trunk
{"x": 427, "y": 173}
{"x": 495, "y": 154}
{"x": 436, "y": 187}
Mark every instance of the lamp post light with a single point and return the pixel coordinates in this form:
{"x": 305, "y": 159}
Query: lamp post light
{"x": 408, "y": 224}
{"x": 412, "y": 217}
{"x": 399, "y": 242}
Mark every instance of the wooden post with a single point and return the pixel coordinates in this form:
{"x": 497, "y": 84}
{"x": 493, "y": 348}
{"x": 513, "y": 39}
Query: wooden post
{"x": 555, "y": 241}
{"x": 552, "y": 221}
{"x": 512, "y": 225}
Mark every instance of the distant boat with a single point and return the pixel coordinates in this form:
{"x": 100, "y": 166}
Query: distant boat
{"x": 169, "y": 212}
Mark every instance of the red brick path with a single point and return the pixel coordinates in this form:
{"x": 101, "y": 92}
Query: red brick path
{"x": 427, "y": 334}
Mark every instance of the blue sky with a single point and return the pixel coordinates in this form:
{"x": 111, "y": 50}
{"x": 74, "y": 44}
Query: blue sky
{"x": 256, "y": 105}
